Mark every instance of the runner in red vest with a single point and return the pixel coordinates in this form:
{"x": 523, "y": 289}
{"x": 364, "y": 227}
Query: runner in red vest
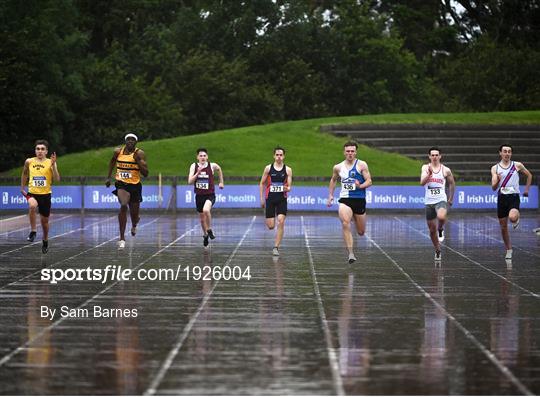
{"x": 201, "y": 174}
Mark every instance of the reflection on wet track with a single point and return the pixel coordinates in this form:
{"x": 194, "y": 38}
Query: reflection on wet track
{"x": 303, "y": 323}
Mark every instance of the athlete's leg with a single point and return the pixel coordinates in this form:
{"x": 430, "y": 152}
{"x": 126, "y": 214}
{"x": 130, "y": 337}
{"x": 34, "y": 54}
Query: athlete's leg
{"x": 513, "y": 215}
{"x": 345, "y": 216}
{"x": 360, "y": 222}
{"x": 207, "y": 215}
{"x": 280, "y": 229}
{"x": 123, "y": 198}
{"x": 45, "y": 226}
{"x": 441, "y": 217}
{"x": 504, "y": 232}
{"x": 270, "y": 223}
{"x": 134, "y": 215}
{"x": 32, "y": 205}
{"x": 202, "y": 219}
{"x": 432, "y": 226}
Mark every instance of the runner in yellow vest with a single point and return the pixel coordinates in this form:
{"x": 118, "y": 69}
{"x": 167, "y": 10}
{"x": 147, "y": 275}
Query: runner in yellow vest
{"x": 38, "y": 174}
{"x": 130, "y": 163}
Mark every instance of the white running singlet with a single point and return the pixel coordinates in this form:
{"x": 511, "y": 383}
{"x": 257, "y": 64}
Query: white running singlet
{"x": 348, "y": 179}
{"x": 509, "y": 182}
{"x": 435, "y": 187}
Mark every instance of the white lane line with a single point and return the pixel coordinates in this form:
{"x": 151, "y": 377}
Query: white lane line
{"x": 27, "y": 227}
{"x": 13, "y": 217}
{"x": 475, "y": 262}
{"x": 58, "y": 235}
{"x": 491, "y": 357}
{"x": 152, "y": 389}
{"x": 71, "y": 257}
{"x": 332, "y": 358}
{"x": 493, "y": 238}
{"x": 21, "y": 348}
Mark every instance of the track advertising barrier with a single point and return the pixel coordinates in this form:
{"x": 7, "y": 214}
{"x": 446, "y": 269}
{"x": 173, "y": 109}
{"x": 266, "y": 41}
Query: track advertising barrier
{"x": 305, "y": 198}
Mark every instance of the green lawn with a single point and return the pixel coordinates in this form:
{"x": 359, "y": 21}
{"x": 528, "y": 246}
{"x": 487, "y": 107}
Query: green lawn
{"x": 245, "y": 151}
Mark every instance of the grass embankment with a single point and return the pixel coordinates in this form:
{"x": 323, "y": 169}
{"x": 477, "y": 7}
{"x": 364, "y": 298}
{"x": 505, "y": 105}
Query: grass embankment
{"x": 245, "y": 151}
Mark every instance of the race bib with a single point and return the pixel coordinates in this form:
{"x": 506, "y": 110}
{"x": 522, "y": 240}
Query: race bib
{"x": 39, "y": 181}
{"x": 123, "y": 175}
{"x": 277, "y": 188}
{"x": 348, "y": 185}
{"x": 508, "y": 190}
{"x": 435, "y": 191}
{"x": 202, "y": 185}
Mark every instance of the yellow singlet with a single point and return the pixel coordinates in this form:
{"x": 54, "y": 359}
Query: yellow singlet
{"x": 40, "y": 176}
{"x": 127, "y": 169}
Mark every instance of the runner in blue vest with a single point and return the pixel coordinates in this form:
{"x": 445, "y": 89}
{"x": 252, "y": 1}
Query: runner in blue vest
{"x": 355, "y": 178}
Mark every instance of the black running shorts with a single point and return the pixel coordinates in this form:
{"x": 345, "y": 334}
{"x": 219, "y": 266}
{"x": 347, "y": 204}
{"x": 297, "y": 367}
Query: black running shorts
{"x": 276, "y": 207}
{"x": 506, "y": 202}
{"x": 358, "y": 205}
{"x": 200, "y": 199}
{"x": 43, "y": 202}
{"x": 134, "y": 190}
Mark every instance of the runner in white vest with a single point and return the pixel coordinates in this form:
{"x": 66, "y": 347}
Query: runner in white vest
{"x": 434, "y": 177}
{"x": 505, "y": 180}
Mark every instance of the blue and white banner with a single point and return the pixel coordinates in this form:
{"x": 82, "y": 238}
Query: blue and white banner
{"x": 305, "y": 198}
{"x": 63, "y": 197}
{"x": 101, "y": 197}
{"x": 313, "y": 198}
{"x": 465, "y": 197}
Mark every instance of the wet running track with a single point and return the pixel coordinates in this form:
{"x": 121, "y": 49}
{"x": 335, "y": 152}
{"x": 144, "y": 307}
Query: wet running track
{"x": 303, "y": 323}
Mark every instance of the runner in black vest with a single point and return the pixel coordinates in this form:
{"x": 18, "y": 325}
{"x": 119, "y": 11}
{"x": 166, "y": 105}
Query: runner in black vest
{"x": 201, "y": 174}
{"x": 276, "y": 183}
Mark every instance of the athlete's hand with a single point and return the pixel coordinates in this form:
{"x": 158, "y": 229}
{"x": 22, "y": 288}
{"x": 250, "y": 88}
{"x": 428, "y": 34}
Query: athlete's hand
{"x": 53, "y": 158}
{"x": 330, "y": 201}
{"x": 108, "y": 182}
{"x": 221, "y": 186}
{"x": 263, "y": 204}
{"x": 525, "y": 194}
{"x": 450, "y": 202}
{"x": 429, "y": 170}
{"x": 357, "y": 183}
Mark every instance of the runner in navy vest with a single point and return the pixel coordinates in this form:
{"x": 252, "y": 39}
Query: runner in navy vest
{"x": 201, "y": 174}
{"x": 505, "y": 180}
{"x": 355, "y": 178}
{"x": 276, "y": 183}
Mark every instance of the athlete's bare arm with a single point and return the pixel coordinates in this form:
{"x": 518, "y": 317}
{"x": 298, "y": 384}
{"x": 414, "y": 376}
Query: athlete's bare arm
{"x": 367, "y": 176}
{"x": 332, "y": 185}
{"x": 25, "y": 175}
{"x": 217, "y": 169}
{"x": 112, "y": 163}
{"x": 54, "y": 167}
{"x": 521, "y": 168}
{"x": 140, "y": 158}
{"x": 451, "y": 182}
{"x": 289, "y": 178}
{"x": 262, "y": 183}
{"x": 495, "y": 178}
{"x": 426, "y": 173}
{"x": 194, "y": 172}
